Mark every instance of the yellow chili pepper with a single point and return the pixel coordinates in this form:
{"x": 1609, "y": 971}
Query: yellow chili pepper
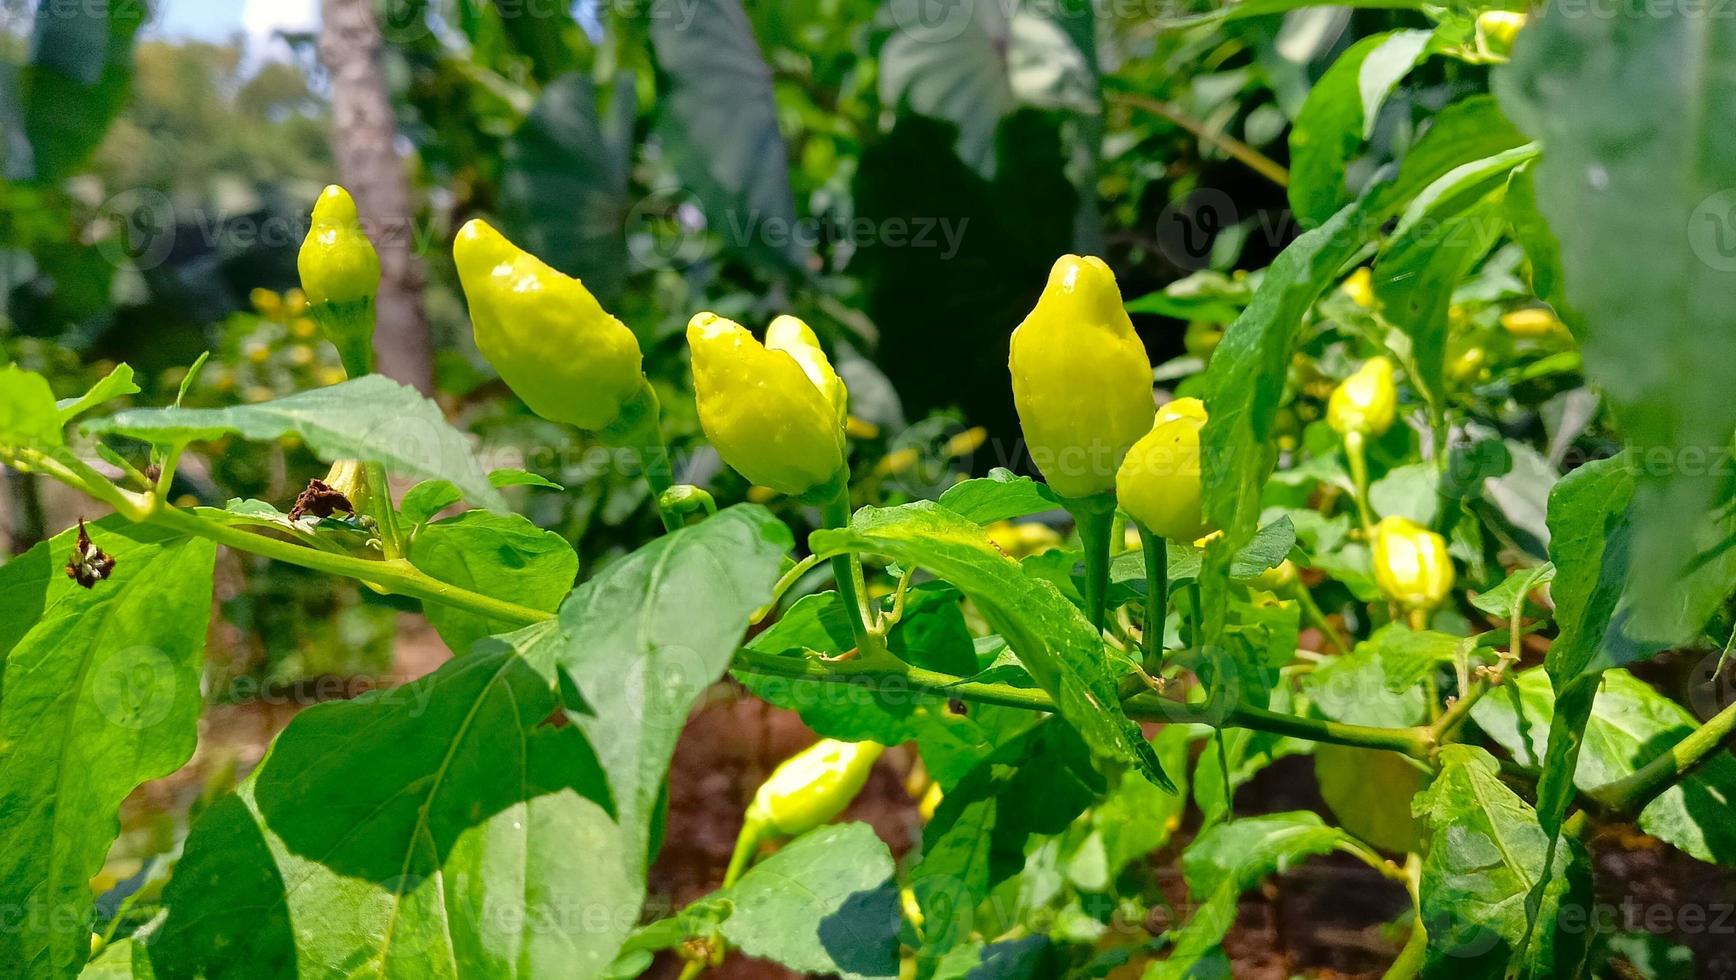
{"x": 775, "y": 412}
{"x": 812, "y": 786}
{"x": 1359, "y": 286}
{"x": 1411, "y": 564}
{"x": 340, "y": 273}
{"x": 1159, "y": 482}
{"x": 552, "y": 342}
{"x": 1533, "y": 322}
{"x": 1366, "y": 402}
{"x": 1081, "y": 379}
{"x": 1496, "y": 31}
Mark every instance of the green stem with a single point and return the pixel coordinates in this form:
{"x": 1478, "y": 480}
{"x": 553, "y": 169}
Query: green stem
{"x": 385, "y": 513}
{"x": 847, "y": 569}
{"x": 1317, "y": 617}
{"x": 1095, "y": 519}
{"x": 396, "y": 576}
{"x": 1354, "y": 451}
{"x": 746, "y": 847}
{"x": 1629, "y": 795}
{"x": 888, "y": 671}
{"x": 1156, "y": 596}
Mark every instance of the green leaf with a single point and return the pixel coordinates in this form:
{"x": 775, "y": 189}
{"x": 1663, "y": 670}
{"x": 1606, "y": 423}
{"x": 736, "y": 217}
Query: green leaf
{"x": 1636, "y": 182}
{"x": 499, "y": 555}
{"x": 446, "y": 828}
{"x": 1370, "y": 791}
{"x": 422, "y": 501}
{"x": 1222, "y": 863}
{"x": 1486, "y": 852}
{"x": 501, "y": 479}
{"x": 1245, "y": 382}
{"x": 1354, "y": 688}
{"x": 1048, "y": 633}
{"x": 1339, "y": 115}
{"x": 1000, "y": 496}
{"x": 825, "y": 904}
{"x": 1416, "y": 272}
{"x": 1464, "y": 132}
{"x": 1630, "y": 725}
{"x": 29, "y": 417}
{"x": 1037, "y": 783}
{"x": 950, "y": 743}
{"x": 719, "y": 118}
{"x": 1247, "y": 752}
{"x": 115, "y": 384}
{"x": 1133, "y": 819}
{"x": 100, "y": 694}
{"x": 1514, "y": 590}
{"x": 646, "y": 638}
{"x": 372, "y": 418}
{"x": 1531, "y": 230}
{"x": 437, "y": 830}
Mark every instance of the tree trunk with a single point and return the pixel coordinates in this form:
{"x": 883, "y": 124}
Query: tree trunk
{"x": 364, "y": 134}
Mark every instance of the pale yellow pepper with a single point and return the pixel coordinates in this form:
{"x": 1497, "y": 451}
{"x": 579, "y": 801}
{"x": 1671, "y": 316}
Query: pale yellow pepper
{"x": 1159, "y": 481}
{"x": 1081, "y": 379}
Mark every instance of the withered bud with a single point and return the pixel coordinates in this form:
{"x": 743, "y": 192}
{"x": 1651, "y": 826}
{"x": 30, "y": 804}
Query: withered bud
{"x": 321, "y": 501}
{"x": 88, "y": 564}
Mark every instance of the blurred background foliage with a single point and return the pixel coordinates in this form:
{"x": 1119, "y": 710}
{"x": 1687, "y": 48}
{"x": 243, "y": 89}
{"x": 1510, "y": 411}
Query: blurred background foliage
{"x": 901, "y": 180}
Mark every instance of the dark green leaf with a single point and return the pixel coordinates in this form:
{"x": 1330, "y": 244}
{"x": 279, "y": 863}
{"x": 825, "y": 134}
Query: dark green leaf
{"x": 1338, "y": 116}
{"x": 79, "y": 76}
{"x": 1464, "y": 132}
{"x": 563, "y": 185}
{"x": 502, "y": 556}
{"x": 100, "y": 693}
{"x": 720, "y": 119}
{"x": 372, "y": 418}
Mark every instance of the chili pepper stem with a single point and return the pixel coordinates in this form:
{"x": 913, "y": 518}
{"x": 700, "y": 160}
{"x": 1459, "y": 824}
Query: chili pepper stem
{"x": 746, "y": 848}
{"x": 1354, "y": 451}
{"x": 1095, "y": 519}
{"x": 1156, "y": 596}
{"x": 847, "y": 570}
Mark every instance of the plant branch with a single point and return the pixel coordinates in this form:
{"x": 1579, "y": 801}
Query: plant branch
{"x": 889, "y": 672}
{"x": 1630, "y": 794}
{"x": 1256, "y": 161}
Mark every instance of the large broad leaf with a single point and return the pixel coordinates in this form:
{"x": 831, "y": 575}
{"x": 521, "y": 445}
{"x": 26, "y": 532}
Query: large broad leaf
{"x": 825, "y": 904}
{"x": 1637, "y": 120}
{"x": 1000, "y": 496}
{"x": 644, "y": 640}
{"x": 448, "y": 828}
{"x": 721, "y": 122}
{"x": 1466, "y": 131}
{"x": 1340, "y": 114}
{"x": 1224, "y": 862}
{"x": 1048, "y": 633}
{"x": 563, "y": 183}
{"x": 1630, "y": 725}
{"x": 79, "y": 76}
{"x": 1486, "y": 854}
{"x": 372, "y": 418}
{"x": 100, "y": 693}
{"x": 498, "y": 555}
{"x": 439, "y": 830}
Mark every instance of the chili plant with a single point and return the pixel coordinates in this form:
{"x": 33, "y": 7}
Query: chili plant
{"x": 1296, "y": 556}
